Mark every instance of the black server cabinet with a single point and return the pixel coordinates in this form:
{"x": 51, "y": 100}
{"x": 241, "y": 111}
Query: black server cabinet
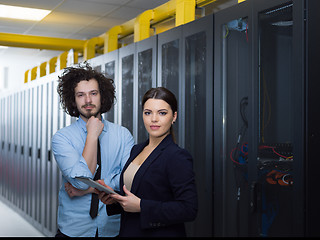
{"x": 231, "y": 91}
{"x": 111, "y": 64}
{"x": 126, "y": 80}
{"x": 146, "y": 73}
{"x": 263, "y": 73}
{"x": 137, "y": 74}
{"x": 185, "y": 64}
{"x": 169, "y": 64}
{"x": 312, "y": 128}
{"x": 197, "y": 101}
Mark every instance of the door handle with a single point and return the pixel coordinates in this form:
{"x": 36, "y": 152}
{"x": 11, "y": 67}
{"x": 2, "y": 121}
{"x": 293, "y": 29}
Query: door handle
{"x": 253, "y": 197}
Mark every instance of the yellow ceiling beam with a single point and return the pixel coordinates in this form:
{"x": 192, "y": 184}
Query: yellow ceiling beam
{"x": 158, "y": 14}
{"x": 185, "y": 11}
{"x": 63, "y": 60}
{"x": 201, "y": 3}
{"x": 111, "y": 39}
{"x": 52, "y": 64}
{"x": 142, "y": 25}
{"x": 164, "y": 11}
{"x": 38, "y": 42}
{"x": 34, "y": 71}
{"x": 43, "y": 69}
{"x": 26, "y": 76}
{"x": 90, "y": 47}
{"x": 127, "y": 28}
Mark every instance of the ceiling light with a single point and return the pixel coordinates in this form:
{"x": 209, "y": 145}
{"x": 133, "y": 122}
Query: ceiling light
{"x": 3, "y": 47}
{"x": 24, "y": 13}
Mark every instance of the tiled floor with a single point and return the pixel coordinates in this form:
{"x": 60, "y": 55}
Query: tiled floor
{"x": 13, "y": 225}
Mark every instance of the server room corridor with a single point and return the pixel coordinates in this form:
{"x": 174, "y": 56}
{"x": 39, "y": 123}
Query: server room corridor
{"x": 13, "y": 225}
{"x": 245, "y": 76}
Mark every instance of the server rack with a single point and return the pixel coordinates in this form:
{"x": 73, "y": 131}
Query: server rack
{"x": 231, "y": 76}
{"x": 111, "y": 66}
{"x": 169, "y": 64}
{"x": 126, "y": 85}
{"x": 197, "y": 99}
{"x": 262, "y": 74}
{"x": 312, "y": 132}
{"x": 145, "y": 75}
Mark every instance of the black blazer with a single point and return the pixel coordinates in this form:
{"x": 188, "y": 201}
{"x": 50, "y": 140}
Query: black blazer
{"x": 165, "y": 183}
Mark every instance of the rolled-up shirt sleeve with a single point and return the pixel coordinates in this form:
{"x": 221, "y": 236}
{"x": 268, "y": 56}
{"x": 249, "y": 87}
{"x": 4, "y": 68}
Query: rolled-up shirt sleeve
{"x": 70, "y": 160}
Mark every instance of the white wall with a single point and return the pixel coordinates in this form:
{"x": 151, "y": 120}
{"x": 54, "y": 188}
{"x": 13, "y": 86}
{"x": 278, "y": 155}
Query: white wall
{"x": 18, "y": 61}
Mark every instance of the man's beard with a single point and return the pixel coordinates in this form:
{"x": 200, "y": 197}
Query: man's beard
{"x": 88, "y": 114}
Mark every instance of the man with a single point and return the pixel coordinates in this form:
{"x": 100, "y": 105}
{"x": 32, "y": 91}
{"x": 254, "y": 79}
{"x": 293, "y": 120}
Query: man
{"x": 86, "y": 94}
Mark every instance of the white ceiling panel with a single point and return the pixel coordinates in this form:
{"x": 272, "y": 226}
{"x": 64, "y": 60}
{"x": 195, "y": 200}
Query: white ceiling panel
{"x": 113, "y": 2}
{"x": 42, "y": 4}
{"x": 86, "y": 8}
{"x": 106, "y": 23}
{"x": 15, "y": 25}
{"x": 67, "y": 18}
{"x": 126, "y": 13}
{"x": 146, "y": 4}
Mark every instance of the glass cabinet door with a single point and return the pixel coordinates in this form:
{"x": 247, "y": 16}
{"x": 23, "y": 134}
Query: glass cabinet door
{"x": 111, "y": 64}
{"x": 196, "y": 124}
{"x": 144, "y": 84}
{"x": 110, "y": 72}
{"x": 126, "y": 77}
{"x": 231, "y": 121}
{"x": 146, "y": 78}
{"x": 235, "y": 103}
{"x": 276, "y": 112}
{"x": 169, "y": 64}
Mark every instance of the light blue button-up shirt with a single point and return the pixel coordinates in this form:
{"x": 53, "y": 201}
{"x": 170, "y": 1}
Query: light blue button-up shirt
{"x": 67, "y": 146}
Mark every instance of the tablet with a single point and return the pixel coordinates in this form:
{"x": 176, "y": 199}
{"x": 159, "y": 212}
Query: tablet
{"x": 95, "y": 184}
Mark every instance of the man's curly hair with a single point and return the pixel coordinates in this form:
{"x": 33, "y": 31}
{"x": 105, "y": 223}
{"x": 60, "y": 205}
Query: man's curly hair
{"x": 69, "y": 79}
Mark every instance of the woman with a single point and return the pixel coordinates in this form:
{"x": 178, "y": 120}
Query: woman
{"x": 158, "y": 192}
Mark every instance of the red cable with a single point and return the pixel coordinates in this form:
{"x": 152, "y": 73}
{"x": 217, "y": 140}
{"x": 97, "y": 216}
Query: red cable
{"x": 247, "y": 32}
